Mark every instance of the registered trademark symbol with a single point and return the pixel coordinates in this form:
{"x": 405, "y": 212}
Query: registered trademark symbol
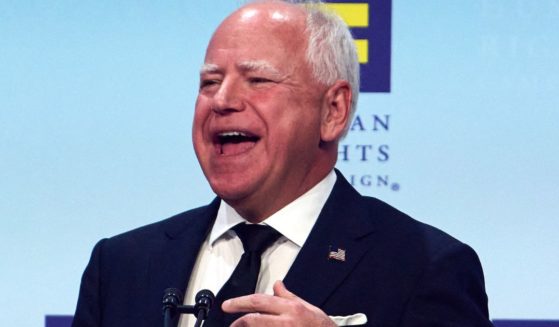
{"x": 395, "y": 187}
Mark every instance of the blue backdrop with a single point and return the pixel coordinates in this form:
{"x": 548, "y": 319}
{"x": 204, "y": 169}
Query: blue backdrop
{"x": 96, "y": 101}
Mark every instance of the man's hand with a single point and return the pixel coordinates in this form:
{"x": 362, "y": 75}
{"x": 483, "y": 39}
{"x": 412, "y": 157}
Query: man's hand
{"x": 282, "y": 309}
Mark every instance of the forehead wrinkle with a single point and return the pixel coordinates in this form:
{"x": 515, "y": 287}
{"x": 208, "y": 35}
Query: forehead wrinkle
{"x": 258, "y": 65}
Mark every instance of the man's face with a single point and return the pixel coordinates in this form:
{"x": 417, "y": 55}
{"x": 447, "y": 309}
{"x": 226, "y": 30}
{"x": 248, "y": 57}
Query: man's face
{"x": 257, "y": 123}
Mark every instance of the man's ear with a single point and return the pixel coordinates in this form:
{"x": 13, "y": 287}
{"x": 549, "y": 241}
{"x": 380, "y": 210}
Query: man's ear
{"x": 335, "y": 111}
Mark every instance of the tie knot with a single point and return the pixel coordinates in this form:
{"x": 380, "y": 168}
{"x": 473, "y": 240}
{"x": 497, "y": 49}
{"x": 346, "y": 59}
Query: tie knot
{"x": 256, "y": 238}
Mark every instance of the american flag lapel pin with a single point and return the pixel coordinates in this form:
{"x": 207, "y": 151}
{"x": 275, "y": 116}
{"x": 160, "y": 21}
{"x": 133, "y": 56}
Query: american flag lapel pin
{"x": 335, "y": 253}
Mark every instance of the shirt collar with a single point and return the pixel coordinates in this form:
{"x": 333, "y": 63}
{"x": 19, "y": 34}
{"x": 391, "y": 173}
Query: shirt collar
{"x": 294, "y": 221}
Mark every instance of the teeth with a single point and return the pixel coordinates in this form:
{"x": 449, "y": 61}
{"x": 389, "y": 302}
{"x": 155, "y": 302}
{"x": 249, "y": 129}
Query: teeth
{"x": 227, "y": 134}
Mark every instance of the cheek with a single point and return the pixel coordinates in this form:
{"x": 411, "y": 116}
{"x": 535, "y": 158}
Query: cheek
{"x": 296, "y": 134}
{"x": 201, "y": 113}
{"x": 199, "y": 106}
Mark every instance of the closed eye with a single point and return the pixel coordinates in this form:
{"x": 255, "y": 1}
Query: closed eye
{"x": 208, "y": 82}
{"x": 259, "y": 80}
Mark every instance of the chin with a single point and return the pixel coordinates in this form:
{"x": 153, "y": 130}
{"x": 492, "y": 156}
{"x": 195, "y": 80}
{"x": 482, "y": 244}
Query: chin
{"x": 229, "y": 191}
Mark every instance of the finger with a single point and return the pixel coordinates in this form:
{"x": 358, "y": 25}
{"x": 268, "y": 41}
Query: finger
{"x": 282, "y": 291}
{"x": 256, "y": 319}
{"x": 256, "y": 303}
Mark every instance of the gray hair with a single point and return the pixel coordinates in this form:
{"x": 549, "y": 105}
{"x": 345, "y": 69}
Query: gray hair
{"x": 331, "y": 51}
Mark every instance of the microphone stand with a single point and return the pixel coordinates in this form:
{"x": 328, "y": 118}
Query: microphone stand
{"x": 171, "y": 299}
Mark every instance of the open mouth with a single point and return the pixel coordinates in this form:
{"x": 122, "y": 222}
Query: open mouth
{"x": 234, "y": 142}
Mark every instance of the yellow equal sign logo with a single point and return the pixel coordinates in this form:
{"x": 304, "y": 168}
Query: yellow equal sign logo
{"x": 355, "y": 15}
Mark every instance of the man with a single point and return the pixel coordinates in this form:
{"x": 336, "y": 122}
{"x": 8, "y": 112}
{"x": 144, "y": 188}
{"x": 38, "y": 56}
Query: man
{"x": 277, "y": 90}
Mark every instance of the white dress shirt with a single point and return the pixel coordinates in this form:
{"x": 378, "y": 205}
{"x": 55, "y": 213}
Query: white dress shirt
{"x": 222, "y": 249}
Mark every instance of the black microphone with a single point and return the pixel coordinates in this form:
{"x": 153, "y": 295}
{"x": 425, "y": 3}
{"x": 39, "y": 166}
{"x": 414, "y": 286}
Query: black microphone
{"x": 172, "y": 298}
{"x": 204, "y": 301}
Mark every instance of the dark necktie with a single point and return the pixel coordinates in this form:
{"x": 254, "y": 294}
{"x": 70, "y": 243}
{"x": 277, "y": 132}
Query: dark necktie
{"x": 256, "y": 239}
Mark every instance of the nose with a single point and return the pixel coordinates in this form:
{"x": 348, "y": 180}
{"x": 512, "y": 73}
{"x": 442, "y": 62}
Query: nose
{"x": 228, "y": 98}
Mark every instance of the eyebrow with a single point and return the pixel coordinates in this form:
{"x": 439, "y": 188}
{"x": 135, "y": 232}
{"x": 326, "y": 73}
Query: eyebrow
{"x": 245, "y": 66}
{"x": 260, "y": 66}
{"x": 209, "y": 68}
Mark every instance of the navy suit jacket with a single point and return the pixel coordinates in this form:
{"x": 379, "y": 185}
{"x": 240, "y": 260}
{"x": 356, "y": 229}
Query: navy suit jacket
{"x": 397, "y": 271}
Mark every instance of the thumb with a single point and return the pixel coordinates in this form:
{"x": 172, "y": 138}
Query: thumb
{"x": 281, "y": 291}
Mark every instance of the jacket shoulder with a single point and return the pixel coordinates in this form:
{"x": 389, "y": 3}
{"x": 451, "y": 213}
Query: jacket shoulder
{"x": 169, "y": 227}
{"x": 408, "y": 231}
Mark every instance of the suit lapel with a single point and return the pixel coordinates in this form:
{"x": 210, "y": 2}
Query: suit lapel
{"x": 174, "y": 255}
{"x": 340, "y": 225}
